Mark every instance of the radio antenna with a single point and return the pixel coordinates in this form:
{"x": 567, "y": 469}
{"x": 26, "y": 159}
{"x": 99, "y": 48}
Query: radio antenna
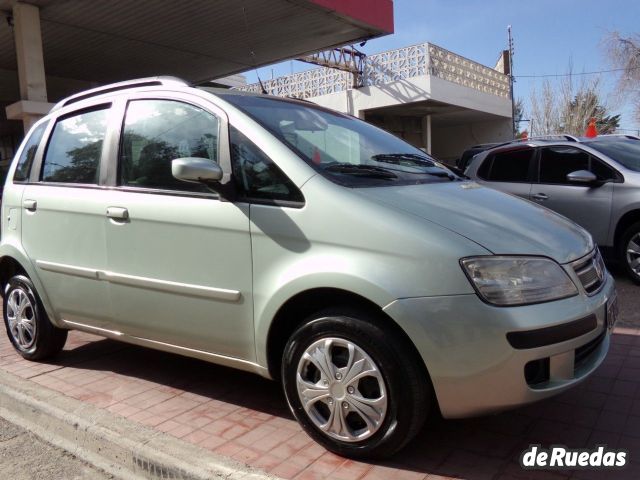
{"x": 251, "y": 51}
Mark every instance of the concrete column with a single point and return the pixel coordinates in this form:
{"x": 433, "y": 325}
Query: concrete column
{"x": 31, "y": 75}
{"x": 426, "y": 133}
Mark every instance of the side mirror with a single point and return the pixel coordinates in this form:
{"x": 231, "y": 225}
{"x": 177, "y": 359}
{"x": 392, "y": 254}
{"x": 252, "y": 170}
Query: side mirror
{"x": 584, "y": 177}
{"x": 198, "y": 170}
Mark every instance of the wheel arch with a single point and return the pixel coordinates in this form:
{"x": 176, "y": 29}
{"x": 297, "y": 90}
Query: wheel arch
{"x": 9, "y": 267}
{"x": 13, "y": 261}
{"x": 628, "y": 219}
{"x": 297, "y": 308}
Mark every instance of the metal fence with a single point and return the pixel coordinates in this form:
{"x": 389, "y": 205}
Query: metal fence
{"x": 388, "y": 67}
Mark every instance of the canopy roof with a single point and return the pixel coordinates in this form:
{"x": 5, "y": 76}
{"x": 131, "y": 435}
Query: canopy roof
{"x": 198, "y": 40}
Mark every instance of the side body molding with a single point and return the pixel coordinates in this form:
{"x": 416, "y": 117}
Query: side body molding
{"x": 143, "y": 282}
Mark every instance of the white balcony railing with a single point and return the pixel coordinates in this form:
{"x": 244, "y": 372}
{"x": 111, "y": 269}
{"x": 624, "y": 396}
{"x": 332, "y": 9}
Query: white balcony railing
{"x": 388, "y": 67}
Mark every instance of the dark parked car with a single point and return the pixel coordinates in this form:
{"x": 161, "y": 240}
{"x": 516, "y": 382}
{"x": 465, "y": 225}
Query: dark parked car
{"x": 464, "y": 161}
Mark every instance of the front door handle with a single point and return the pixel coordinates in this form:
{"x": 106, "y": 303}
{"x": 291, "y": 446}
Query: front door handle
{"x": 30, "y": 205}
{"x": 118, "y": 213}
{"x": 540, "y": 196}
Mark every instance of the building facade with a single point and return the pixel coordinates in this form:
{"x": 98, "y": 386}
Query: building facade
{"x": 433, "y": 98}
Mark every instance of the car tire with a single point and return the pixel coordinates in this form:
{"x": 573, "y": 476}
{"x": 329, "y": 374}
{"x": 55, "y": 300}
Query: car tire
{"x": 322, "y": 372}
{"x": 629, "y": 251}
{"x": 29, "y": 329}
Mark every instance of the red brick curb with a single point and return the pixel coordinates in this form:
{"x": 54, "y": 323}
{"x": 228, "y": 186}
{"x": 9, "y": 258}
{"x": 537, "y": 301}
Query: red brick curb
{"x": 112, "y": 443}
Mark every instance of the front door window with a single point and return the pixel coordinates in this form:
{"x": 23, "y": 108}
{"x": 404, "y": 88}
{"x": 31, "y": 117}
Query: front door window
{"x": 159, "y": 131}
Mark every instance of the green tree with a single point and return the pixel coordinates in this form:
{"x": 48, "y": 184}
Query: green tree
{"x": 567, "y": 106}
{"x": 589, "y": 102}
{"x": 518, "y": 115}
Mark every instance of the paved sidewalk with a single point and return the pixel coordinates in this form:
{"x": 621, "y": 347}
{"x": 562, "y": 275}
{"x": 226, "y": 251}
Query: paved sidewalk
{"x": 245, "y": 417}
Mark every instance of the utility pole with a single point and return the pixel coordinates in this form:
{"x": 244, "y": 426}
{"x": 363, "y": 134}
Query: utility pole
{"x": 511, "y": 81}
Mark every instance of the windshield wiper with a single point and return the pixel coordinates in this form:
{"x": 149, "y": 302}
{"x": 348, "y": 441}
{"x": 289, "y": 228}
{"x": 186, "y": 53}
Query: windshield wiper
{"x": 414, "y": 160}
{"x": 411, "y": 160}
{"x": 397, "y": 158}
{"x": 360, "y": 170}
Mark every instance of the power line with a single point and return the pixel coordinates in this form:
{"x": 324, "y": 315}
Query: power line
{"x": 576, "y": 74}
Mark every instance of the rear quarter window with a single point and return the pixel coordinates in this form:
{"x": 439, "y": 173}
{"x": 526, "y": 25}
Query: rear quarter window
{"x": 23, "y": 168}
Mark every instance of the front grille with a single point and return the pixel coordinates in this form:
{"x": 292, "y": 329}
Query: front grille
{"x": 591, "y": 271}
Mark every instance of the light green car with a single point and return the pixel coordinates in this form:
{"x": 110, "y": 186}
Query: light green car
{"x": 285, "y": 239}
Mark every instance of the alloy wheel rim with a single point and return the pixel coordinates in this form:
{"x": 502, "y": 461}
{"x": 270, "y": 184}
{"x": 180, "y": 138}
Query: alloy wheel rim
{"x": 633, "y": 254}
{"x": 341, "y": 389}
{"x": 21, "y": 317}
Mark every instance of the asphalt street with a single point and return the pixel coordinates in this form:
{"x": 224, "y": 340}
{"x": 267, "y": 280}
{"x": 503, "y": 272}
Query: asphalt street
{"x": 23, "y": 456}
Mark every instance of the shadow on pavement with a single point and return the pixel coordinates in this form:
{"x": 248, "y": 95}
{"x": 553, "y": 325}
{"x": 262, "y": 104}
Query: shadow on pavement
{"x": 603, "y": 410}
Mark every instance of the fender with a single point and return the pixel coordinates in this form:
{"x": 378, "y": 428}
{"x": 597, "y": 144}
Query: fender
{"x": 265, "y": 311}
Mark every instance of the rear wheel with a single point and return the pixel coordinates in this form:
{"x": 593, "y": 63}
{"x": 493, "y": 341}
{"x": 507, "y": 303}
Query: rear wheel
{"x": 629, "y": 251}
{"x": 28, "y": 327}
{"x": 353, "y": 384}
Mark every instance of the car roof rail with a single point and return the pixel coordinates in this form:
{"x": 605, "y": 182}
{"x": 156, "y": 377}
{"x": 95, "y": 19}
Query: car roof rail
{"x": 114, "y": 87}
{"x": 618, "y": 135}
{"x": 559, "y": 136}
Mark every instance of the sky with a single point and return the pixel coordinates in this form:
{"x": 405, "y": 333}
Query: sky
{"x": 549, "y": 36}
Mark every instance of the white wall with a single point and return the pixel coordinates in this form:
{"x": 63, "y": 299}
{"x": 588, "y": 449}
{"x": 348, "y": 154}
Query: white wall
{"x": 416, "y": 89}
{"x": 449, "y": 141}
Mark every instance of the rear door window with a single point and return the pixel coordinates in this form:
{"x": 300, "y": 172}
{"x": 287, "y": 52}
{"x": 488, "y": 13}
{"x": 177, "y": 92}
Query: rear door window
{"x": 508, "y": 166}
{"x": 75, "y": 148}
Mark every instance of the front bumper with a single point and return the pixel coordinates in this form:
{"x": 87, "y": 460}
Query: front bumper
{"x": 473, "y": 366}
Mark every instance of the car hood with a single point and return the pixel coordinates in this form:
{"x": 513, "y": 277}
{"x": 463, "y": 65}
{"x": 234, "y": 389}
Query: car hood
{"x": 501, "y": 223}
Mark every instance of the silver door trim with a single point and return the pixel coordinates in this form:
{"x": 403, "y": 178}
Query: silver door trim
{"x": 68, "y": 269}
{"x": 177, "y": 288}
{"x": 91, "y": 329}
{"x": 172, "y": 287}
{"x": 227, "y": 361}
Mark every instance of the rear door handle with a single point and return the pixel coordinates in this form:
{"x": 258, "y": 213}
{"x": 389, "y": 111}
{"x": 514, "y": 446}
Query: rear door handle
{"x": 30, "y": 205}
{"x": 540, "y": 196}
{"x": 118, "y": 213}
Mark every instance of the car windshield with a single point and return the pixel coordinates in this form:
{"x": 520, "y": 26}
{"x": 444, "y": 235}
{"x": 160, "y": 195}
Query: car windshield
{"x": 624, "y": 151}
{"x": 342, "y": 148}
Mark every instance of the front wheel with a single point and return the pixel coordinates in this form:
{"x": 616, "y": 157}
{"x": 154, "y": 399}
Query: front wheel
{"x": 629, "y": 251}
{"x": 28, "y": 327}
{"x": 354, "y": 385}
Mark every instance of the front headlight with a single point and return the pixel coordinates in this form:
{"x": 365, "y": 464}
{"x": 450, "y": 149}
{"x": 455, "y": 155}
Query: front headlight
{"x": 505, "y": 280}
